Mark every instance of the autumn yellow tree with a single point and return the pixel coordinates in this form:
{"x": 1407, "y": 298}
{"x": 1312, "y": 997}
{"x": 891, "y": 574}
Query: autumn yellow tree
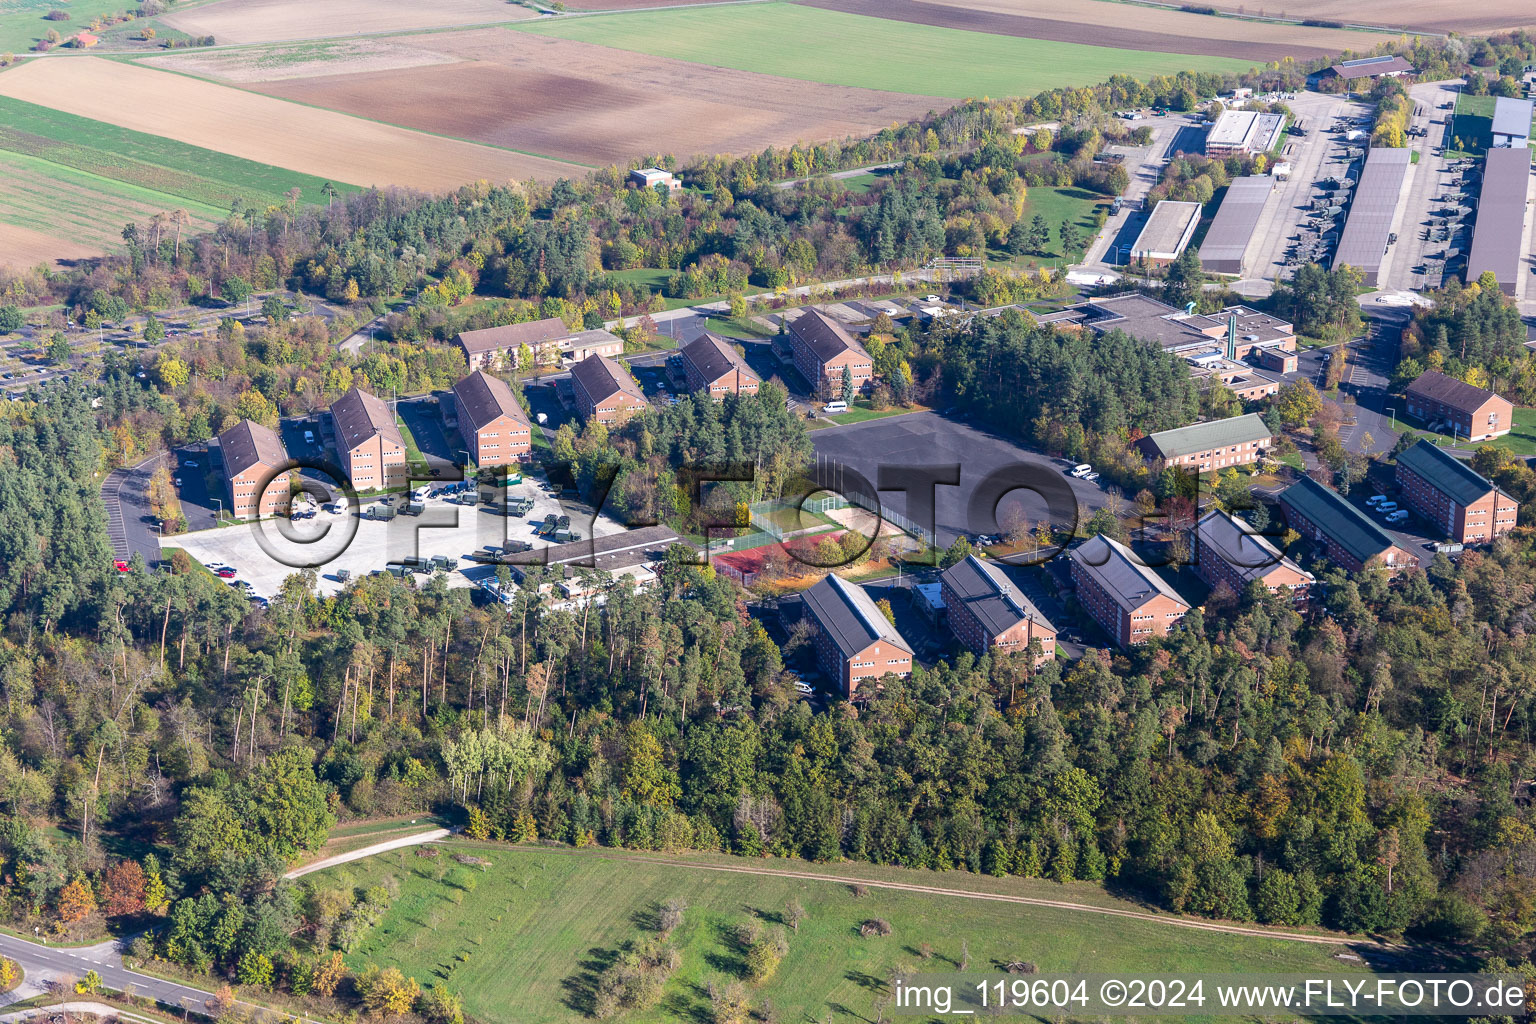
{"x": 387, "y": 993}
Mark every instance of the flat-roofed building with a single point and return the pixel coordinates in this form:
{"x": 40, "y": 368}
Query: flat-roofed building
{"x": 1378, "y": 197}
{"x": 1511, "y": 123}
{"x": 1452, "y": 495}
{"x": 1458, "y": 408}
{"x": 1243, "y": 131}
{"x": 1230, "y": 551}
{"x": 1227, "y": 240}
{"x": 1166, "y": 233}
{"x": 854, "y": 639}
{"x": 988, "y": 612}
{"x": 549, "y": 340}
{"x": 369, "y": 440}
{"x": 711, "y": 364}
{"x": 1498, "y": 237}
{"x": 252, "y": 454}
{"x": 1213, "y": 445}
{"x": 650, "y": 177}
{"x": 605, "y": 391}
{"x": 823, "y": 348}
{"x": 1347, "y": 536}
{"x": 491, "y": 420}
{"x": 1122, "y": 593}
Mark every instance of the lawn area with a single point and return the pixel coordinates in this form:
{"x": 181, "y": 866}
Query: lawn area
{"x": 413, "y": 456}
{"x": 862, "y": 411}
{"x": 1055, "y": 205}
{"x": 1521, "y": 440}
{"x": 522, "y": 937}
{"x": 149, "y": 162}
{"x": 735, "y": 329}
{"x": 813, "y": 44}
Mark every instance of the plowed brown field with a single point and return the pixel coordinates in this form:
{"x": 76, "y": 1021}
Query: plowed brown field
{"x": 1420, "y": 15}
{"x": 319, "y": 142}
{"x": 1127, "y": 26}
{"x": 574, "y": 101}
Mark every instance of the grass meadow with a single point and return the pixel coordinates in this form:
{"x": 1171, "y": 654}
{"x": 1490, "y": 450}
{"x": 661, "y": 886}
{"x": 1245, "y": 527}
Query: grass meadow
{"x": 873, "y": 53}
{"x": 522, "y": 937}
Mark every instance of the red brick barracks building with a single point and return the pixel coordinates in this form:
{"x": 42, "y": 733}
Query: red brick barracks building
{"x": 822, "y": 347}
{"x": 986, "y": 611}
{"x": 854, "y": 640}
{"x": 251, "y": 453}
{"x": 711, "y": 364}
{"x": 1451, "y": 495}
{"x": 1229, "y": 551}
{"x": 1122, "y": 594}
{"x": 1458, "y": 408}
{"x": 490, "y": 420}
{"x": 1351, "y": 540}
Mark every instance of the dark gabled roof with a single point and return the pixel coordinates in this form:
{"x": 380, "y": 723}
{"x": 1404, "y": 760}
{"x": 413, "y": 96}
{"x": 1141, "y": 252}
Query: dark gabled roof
{"x": 1445, "y": 473}
{"x": 1247, "y": 551}
{"x": 1199, "y": 437}
{"x": 482, "y": 398}
{"x": 1124, "y": 576}
{"x": 849, "y": 617}
{"x": 1337, "y": 518}
{"x": 602, "y": 378}
{"x": 712, "y": 357}
{"x": 991, "y": 596}
{"x": 826, "y": 338}
{"x": 248, "y": 444}
{"x": 532, "y": 333}
{"x": 359, "y": 416}
{"x": 1457, "y": 394}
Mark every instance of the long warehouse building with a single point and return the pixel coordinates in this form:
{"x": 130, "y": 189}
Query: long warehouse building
{"x": 1166, "y": 232}
{"x": 1232, "y": 230}
{"x": 1498, "y": 238}
{"x": 1364, "y": 242}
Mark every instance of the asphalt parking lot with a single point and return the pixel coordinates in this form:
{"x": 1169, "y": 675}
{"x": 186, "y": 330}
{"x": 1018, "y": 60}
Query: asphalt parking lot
{"x": 423, "y": 418}
{"x": 931, "y": 440}
{"x": 266, "y": 552}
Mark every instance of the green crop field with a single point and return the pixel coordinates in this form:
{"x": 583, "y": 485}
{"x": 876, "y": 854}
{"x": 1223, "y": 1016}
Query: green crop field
{"x": 873, "y": 53}
{"x": 149, "y": 162}
{"x": 521, "y": 938}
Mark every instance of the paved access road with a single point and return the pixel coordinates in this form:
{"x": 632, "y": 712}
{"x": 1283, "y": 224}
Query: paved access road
{"x": 46, "y": 963}
{"x": 1415, "y": 259}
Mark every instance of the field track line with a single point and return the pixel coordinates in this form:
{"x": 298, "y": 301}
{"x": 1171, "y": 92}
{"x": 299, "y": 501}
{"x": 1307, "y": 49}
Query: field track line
{"x": 1032, "y": 901}
{"x": 930, "y": 890}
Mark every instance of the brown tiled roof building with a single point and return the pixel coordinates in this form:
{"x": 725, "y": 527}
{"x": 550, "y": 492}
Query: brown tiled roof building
{"x": 494, "y": 426}
{"x": 251, "y": 453}
{"x": 369, "y": 441}
{"x": 605, "y": 391}
{"x": 1470, "y": 413}
{"x": 822, "y": 347}
{"x": 711, "y": 364}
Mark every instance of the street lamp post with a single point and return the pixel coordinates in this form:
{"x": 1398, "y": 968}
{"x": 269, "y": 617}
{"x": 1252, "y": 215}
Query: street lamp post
{"x": 218, "y": 516}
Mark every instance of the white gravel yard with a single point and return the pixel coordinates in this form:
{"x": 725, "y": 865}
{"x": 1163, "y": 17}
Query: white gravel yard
{"x": 266, "y": 552}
